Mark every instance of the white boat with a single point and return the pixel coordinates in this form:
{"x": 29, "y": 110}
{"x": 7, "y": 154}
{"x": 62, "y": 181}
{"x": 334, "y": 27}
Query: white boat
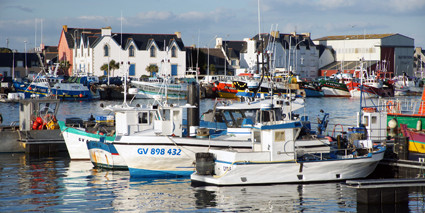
{"x": 168, "y": 149}
{"x": 368, "y": 85}
{"x": 276, "y": 159}
{"x": 101, "y": 150}
{"x": 405, "y": 85}
{"x": 75, "y": 134}
{"x": 170, "y": 88}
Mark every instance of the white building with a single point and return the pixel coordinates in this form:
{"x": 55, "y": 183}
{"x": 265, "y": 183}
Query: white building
{"x": 394, "y": 50}
{"x": 134, "y": 52}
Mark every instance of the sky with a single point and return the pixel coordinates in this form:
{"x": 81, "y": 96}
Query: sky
{"x": 27, "y": 23}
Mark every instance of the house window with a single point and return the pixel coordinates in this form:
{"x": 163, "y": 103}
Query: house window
{"x": 153, "y": 51}
{"x": 174, "y": 52}
{"x": 131, "y": 51}
{"x": 105, "y": 50}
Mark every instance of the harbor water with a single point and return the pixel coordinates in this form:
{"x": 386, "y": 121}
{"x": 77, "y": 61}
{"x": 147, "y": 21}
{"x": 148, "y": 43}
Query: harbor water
{"x": 57, "y": 184}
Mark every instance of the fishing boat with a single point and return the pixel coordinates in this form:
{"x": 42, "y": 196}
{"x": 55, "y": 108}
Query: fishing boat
{"x": 167, "y": 87}
{"x": 102, "y": 151}
{"x": 275, "y": 159}
{"x": 369, "y": 85}
{"x": 37, "y": 124}
{"x": 416, "y": 139}
{"x": 49, "y": 84}
{"x": 335, "y": 86}
{"x": 76, "y": 133}
{"x": 406, "y": 85}
{"x": 168, "y": 148}
{"x": 409, "y": 114}
{"x": 408, "y": 110}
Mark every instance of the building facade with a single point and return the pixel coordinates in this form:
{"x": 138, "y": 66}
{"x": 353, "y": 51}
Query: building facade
{"x": 138, "y": 51}
{"x": 133, "y": 52}
{"x": 392, "y": 51}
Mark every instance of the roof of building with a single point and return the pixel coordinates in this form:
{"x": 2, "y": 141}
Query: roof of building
{"x": 142, "y": 41}
{"x": 72, "y": 34}
{"x": 355, "y": 37}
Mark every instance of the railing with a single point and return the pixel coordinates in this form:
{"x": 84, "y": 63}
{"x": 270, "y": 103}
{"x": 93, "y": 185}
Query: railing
{"x": 404, "y": 106}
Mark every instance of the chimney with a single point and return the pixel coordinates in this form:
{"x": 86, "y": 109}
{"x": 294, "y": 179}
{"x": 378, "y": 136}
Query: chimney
{"x": 65, "y": 28}
{"x": 178, "y": 34}
{"x": 307, "y": 34}
{"x": 275, "y": 34}
{"x": 106, "y": 31}
{"x": 218, "y": 42}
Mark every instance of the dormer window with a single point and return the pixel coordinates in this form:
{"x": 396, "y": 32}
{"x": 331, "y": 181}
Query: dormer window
{"x": 153, "y": 51}
{"x": 174, "y": 52}
{"x": 106, "y": 50}
{"x": 131, "y": 51}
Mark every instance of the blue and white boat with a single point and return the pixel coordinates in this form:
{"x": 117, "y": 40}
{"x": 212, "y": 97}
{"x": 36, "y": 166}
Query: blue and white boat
{"x": 275, "y": 159}
{"x": 54, "y": 86}
{"x": 168, "y": 149}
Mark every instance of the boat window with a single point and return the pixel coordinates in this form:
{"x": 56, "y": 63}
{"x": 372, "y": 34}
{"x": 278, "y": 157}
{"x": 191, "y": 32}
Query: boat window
{"x": 257, "y": 136}
{"x": 374, "y": 119}
{"x": 279, "y": 136}
{"x": 366, "y": 120}
{"x": 166, "y": 115}
{"x": 143, "y": 118}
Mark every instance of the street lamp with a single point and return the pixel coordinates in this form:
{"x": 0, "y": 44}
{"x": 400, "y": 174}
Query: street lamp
{"x": 294, "y": 51}
{"x": 208, "y": 68}
{"x": 26, "y": 67}
{"x": 225, "y": 56}
{"x": 109, "y": 54}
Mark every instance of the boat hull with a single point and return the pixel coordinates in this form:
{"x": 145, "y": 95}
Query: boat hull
{"x": 416, "y": 139}
{"x": 335, "y": 92}
{"x": 165, "y": 157}
{"x": 248, "y": 172}
{"x": 104, "y": 155}
{"x": 75, "y": 140}
{"x": 9, "y": 141}
{"x": 63, "y": 94}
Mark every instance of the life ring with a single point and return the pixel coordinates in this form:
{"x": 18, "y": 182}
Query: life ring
{"x": 390, "y": 106}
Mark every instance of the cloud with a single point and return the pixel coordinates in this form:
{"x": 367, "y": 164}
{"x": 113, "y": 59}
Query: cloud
{"x": 19, "y": 7}
{"x": 405, "y": 6}
{"x": 154, "y": 15}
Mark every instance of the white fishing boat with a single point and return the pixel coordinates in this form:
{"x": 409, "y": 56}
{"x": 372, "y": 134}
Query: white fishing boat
{"x": 168, "y": 149}
{"x": 77, "y": 132}
{"x": 275, "y": 158}
{"x": 102, "y": 151}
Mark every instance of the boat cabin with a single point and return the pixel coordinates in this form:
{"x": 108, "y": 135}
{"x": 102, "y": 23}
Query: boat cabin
{"x": 30, "y": 109}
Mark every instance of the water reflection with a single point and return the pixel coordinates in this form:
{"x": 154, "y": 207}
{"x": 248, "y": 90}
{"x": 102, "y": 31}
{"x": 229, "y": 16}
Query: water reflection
{"x": 277, "y": 198}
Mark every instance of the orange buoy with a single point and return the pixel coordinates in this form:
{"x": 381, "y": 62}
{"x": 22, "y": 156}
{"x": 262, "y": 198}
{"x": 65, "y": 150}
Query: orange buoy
{"x": 39, "y": 120}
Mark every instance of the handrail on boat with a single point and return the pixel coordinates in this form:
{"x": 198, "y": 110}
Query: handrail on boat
{"x": 333, "y": 131}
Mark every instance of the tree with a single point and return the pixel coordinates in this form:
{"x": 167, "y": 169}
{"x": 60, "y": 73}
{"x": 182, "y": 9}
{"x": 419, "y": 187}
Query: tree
{"x": 212, "y": 69}
{"x": 112, "y": 66}
{"x": 64, "y": 66}
{"x": 152, "y": 68}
